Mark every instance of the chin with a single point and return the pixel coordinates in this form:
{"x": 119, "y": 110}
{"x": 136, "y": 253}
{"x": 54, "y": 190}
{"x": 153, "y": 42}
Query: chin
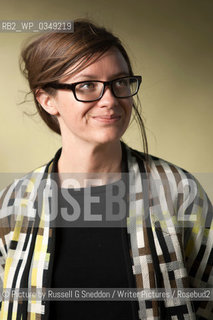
{"x": 101, "y": 137}
{"x": 107, "y": 139}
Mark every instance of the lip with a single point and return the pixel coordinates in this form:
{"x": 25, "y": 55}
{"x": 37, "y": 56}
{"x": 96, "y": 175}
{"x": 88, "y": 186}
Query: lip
{"x": 107, "y": 118}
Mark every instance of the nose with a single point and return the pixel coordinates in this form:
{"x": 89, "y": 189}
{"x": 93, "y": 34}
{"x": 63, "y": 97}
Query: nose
{"x": 108, "y": 99}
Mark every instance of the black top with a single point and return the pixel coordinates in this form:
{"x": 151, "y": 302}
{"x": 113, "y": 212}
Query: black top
{"x": 94, "y": 255}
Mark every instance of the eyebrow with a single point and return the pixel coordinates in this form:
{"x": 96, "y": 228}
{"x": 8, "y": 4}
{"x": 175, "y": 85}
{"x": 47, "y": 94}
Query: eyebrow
{"x": 94, "y": 77}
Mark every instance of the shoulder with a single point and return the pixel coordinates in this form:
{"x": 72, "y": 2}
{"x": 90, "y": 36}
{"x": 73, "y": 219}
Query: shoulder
{"x": 154, "y": 164}
{"x": 175, "y": 181}
{"x": 19, "y": 200}
{"x": 20, "y": 189}
{"x": 175, "y": 191}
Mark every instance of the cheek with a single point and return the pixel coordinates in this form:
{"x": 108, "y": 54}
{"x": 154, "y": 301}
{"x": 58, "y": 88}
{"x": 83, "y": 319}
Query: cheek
{"x": 69, "y": 107}
{"x": 87, "y": 109}
{"x": 128, "y": 107}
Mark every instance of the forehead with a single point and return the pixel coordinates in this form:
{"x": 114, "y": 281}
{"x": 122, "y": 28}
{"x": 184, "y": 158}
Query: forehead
{"x": 108, "y": 65}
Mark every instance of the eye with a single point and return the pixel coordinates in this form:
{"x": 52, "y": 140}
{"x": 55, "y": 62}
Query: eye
{"x": 89, "y": 86}
{"x": 122, "y": 83}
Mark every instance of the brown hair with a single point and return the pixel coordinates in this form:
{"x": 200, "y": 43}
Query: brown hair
{"x": 49, "y": 56}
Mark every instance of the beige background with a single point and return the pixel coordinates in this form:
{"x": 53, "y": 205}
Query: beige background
{"x": 170, "y": 43}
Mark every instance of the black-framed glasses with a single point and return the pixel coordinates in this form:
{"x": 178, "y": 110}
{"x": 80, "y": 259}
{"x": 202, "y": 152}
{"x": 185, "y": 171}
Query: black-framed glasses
{"x": 93, "y": 90}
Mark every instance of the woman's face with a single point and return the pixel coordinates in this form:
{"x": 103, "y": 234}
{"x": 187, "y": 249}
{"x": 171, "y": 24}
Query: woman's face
{"x": 97, "y": 122}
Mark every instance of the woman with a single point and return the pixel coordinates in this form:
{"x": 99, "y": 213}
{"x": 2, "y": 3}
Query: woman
{"x": 157, "y": 233}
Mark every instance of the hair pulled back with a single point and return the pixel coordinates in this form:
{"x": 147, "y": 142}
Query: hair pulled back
{"x": 48, "y": 57}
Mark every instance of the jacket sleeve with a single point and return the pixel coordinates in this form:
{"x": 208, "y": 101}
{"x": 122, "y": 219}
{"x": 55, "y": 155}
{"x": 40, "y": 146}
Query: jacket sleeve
{"x": 197, "y": 212}
{"x": 6, "y": 223}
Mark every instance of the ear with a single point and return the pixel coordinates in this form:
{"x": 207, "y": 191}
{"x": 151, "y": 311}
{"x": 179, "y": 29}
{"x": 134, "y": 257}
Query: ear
{"x": 47, "y": 101}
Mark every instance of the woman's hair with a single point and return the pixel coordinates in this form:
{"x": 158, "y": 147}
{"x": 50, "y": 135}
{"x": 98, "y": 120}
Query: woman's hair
{"x": 47, "y": 58}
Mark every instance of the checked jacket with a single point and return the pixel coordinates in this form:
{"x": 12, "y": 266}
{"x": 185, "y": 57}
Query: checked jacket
{"x": 170, "y": 230}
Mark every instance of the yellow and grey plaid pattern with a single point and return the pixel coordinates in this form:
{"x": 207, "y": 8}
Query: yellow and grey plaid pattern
{"x": 175, "y": 249}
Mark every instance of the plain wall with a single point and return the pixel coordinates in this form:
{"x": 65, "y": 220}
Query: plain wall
{"x": 170, "y": 44}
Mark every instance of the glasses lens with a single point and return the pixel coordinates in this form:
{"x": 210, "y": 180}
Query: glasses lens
{"x": 125, "y": 87}
{"x": 89, "y": 90}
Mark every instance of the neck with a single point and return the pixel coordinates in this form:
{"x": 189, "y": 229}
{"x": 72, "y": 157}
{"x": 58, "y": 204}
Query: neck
{"x": 102, "y": 162}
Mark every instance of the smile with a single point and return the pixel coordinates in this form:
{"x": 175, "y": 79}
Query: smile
{"x": 107, "y": 118}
